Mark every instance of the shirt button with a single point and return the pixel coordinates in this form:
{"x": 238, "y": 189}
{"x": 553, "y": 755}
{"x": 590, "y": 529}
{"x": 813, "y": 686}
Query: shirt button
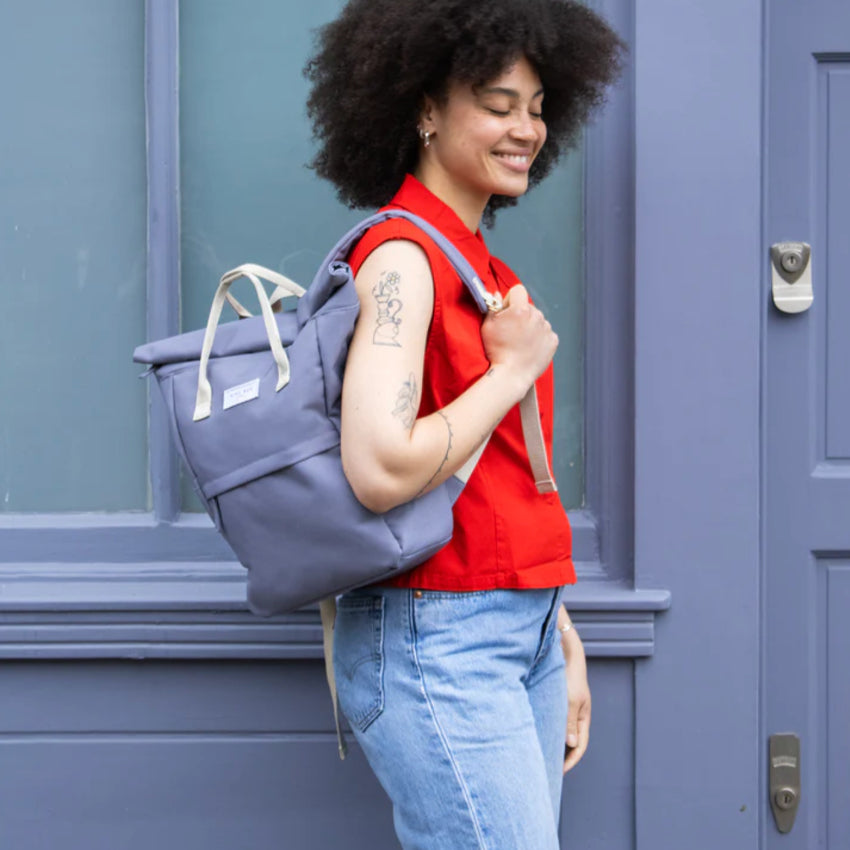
{"x": 417, "y": 594}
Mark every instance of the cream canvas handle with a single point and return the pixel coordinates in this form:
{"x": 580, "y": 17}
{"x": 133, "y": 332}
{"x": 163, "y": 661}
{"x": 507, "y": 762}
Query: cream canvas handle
{"x": 283, "y": 286}
{"x": 203, "y": 399}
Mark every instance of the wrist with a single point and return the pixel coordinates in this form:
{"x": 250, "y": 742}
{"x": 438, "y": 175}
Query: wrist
{"x": 516, "y": 383}
{"x": 570, "y": 640}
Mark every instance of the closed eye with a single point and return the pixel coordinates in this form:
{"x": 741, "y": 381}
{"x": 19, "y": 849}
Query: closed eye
{"x": 503, "y": 113}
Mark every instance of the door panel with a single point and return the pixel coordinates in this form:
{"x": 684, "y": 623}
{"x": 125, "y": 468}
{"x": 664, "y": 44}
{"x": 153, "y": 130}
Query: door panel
{"x": 807, "y": 417}
{"x": 837, "y": 737}
{"x": 834, "y": 194}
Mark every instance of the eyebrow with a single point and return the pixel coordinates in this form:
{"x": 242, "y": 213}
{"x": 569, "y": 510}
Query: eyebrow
{"x": 509, "y": 92}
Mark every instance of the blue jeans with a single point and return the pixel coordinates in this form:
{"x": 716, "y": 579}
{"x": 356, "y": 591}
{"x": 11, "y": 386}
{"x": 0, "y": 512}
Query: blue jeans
{"x": 459, "y": 701}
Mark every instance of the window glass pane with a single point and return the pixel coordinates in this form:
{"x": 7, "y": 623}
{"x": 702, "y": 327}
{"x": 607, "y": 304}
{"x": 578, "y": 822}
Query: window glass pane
{"x": 542, "y": 240}
{"x": 72, "y": 255}
{"x": 248, "y": 196}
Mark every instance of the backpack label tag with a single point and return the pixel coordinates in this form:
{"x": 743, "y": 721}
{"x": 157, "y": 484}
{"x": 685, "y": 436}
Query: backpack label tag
{"x": 241, "y": 393}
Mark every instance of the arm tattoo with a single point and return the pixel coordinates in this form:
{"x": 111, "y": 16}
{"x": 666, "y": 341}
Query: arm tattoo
{"x": 385, "y": 292}
{"x": 445, "y": 456}
{"x": 407, "y": 403}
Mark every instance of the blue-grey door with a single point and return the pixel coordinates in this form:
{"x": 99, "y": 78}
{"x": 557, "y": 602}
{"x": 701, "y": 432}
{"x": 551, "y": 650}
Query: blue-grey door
{"x": 806, "y": 418}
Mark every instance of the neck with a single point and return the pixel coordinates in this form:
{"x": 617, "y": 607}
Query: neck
{"x": 468, "y": 206}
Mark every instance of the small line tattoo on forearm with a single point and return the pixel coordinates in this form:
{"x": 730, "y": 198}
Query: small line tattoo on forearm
{"x": 406, "y": 403}
{"x": 445, "y": 456}
{"x": 386, "y": 292}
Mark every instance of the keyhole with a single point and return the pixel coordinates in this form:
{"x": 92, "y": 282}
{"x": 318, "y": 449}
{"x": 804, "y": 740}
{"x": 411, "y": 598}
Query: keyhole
{"x": 791, "y": 261}
{"x": 785, "y": 798}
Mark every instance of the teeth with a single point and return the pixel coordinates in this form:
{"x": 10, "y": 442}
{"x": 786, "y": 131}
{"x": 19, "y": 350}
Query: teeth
{"x": 514, "y": 157}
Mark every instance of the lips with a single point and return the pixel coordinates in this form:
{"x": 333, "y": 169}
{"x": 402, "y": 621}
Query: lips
{"x": 515, "y": 161}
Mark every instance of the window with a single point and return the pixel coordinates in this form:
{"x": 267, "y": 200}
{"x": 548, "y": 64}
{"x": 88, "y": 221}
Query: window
{"x": 247, "y": 195}
{"x": 72, "y": 257}
{"x": 124, "y": 206}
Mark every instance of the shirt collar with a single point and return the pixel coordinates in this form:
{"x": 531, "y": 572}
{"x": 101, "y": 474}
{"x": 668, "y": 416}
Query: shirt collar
{"x": 414, "y": 197}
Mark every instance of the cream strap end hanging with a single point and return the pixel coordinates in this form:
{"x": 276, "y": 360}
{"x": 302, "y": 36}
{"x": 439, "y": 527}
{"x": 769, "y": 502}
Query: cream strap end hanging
{"x": 532, "y": 427}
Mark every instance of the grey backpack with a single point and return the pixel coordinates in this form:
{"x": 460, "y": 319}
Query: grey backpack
{"x": 254, "y": 407}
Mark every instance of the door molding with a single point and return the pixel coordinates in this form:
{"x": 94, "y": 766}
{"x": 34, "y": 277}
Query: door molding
{"x": 698, "y": 316}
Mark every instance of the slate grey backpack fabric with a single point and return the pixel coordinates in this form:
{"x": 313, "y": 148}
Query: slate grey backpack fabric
{"x": 254, "y": 407}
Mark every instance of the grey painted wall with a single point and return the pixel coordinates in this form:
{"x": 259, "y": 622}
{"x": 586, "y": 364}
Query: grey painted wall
{"x": 143, "y": 705}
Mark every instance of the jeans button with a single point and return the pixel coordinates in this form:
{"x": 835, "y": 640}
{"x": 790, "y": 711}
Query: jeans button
{"x": 417, "y": 594}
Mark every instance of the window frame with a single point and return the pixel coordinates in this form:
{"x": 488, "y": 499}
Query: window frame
{"x": 128, "y": 568}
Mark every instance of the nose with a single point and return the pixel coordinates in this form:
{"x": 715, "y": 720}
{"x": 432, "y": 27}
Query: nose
{"x": 526, "y": 128}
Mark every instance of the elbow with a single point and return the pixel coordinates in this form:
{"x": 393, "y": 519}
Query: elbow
{"x": 378, "y": 502}
{"x": 378, "y": 491}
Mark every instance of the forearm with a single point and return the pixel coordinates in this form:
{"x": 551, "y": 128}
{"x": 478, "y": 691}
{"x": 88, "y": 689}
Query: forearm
{"x": 437, "y": 445}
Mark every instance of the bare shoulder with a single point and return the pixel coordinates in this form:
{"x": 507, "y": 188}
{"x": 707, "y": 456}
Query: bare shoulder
{"x": 397, "y": 264}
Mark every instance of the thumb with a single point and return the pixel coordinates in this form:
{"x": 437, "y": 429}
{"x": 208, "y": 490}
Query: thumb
{"x": 517, "y": 296}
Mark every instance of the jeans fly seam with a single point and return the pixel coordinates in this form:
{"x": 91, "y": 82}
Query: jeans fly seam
{"x": 545, "y": 645}
{"x": 443, "y": 739}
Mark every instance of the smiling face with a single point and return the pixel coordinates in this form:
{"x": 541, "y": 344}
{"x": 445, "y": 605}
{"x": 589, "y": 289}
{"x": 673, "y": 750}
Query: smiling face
{"x": 483, "y": 140}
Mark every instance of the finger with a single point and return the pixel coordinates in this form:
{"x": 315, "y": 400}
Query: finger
{"x": 574, "y": 757}
{"x": 572, "y": 725}
{"x": 584, "y": 727}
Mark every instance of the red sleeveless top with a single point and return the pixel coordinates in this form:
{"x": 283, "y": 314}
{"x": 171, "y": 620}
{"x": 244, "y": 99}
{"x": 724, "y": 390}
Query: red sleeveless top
{"x": 506, "y": 534}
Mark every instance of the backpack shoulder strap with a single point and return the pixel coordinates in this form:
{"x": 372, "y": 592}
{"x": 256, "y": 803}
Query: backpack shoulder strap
{"x": 483, "y": 298}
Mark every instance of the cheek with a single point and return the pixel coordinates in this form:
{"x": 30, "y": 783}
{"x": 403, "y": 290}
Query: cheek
{"x": 543, "y": 135}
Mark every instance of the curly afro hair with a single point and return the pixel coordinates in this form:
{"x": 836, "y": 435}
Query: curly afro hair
{"x": 375, "y": 63}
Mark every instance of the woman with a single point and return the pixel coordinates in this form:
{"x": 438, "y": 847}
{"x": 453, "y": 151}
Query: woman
{"x": 455, "y": 676}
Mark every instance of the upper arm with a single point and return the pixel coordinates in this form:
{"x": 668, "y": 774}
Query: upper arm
{"x": 383, "y": 373}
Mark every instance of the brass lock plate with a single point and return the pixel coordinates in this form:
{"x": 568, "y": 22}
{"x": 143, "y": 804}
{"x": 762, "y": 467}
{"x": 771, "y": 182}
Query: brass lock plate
{"x": 784, "y": 781}
{"x": 791, "y": 276}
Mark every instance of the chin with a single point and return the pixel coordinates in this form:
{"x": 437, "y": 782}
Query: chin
{"x": 513, "y": 190}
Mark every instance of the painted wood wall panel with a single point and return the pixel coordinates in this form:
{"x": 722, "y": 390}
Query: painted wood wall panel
{"x": 149, "y": 697}
{"x": 187, "y": 792}
{"x": 201, "y": 756}
{"x": 597, "y": 812}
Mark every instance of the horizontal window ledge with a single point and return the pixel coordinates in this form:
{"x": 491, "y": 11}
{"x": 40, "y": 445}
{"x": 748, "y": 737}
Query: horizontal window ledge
{"x": 138, "y": 537}
{"x": 193, "y": 611}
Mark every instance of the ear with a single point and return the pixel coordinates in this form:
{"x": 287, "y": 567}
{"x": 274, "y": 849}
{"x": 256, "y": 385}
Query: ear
{"x": 426, "y": 114}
